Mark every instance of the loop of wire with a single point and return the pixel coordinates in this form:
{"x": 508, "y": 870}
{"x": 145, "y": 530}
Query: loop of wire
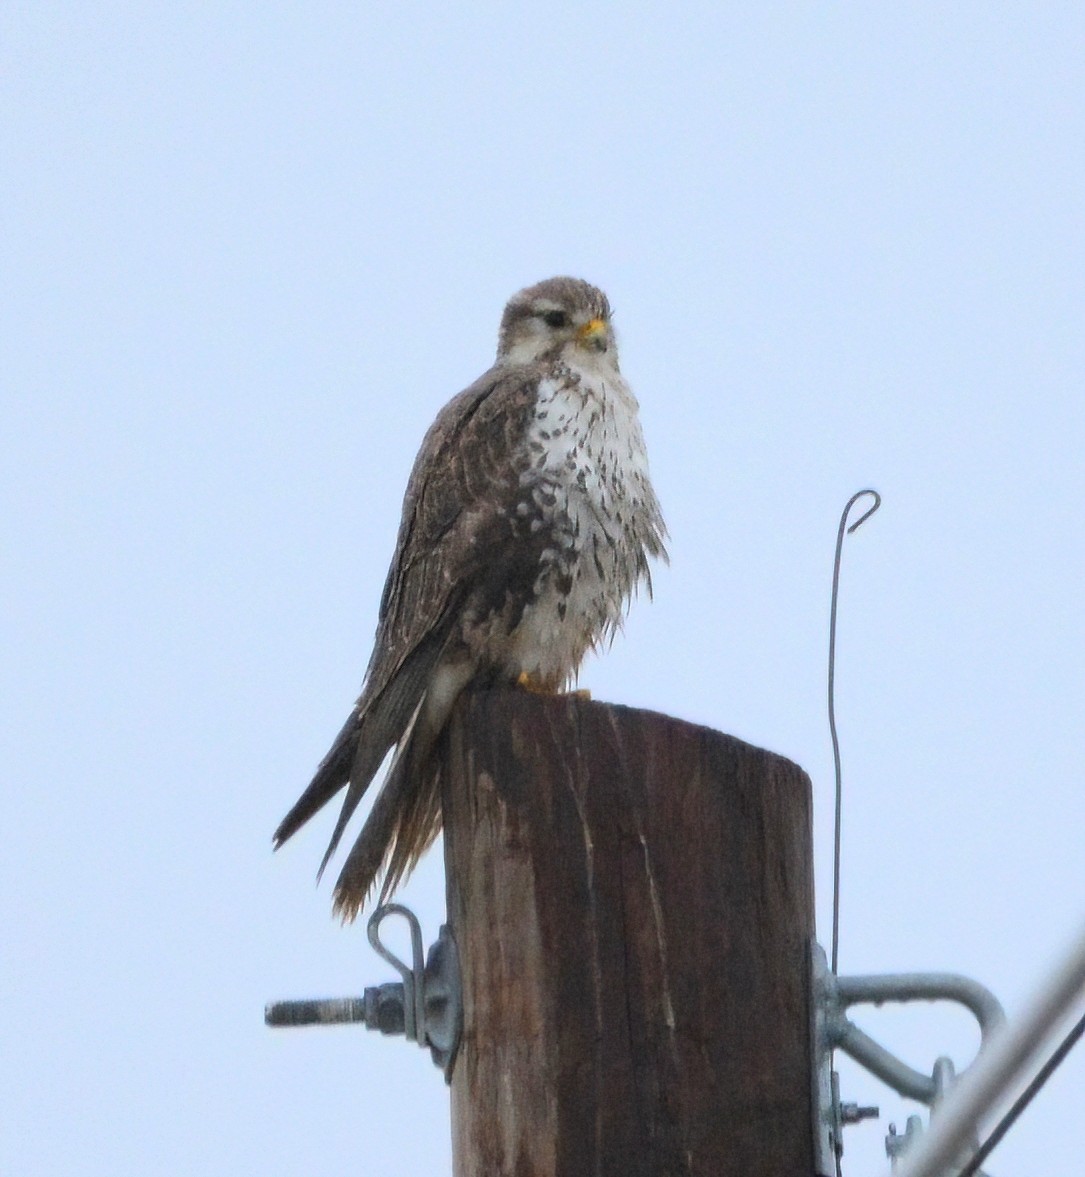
{"x": 843, "y": 528}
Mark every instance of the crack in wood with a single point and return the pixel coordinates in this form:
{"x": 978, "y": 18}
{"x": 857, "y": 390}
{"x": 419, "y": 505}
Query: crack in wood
{"x": 632, "y": 897}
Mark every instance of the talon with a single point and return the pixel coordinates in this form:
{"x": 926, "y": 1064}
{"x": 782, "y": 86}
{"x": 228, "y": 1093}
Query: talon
{"x": 527, "y": 683}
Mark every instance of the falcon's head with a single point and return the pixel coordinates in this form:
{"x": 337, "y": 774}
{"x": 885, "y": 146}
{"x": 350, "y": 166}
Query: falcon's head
{"x": 559, "y": 318}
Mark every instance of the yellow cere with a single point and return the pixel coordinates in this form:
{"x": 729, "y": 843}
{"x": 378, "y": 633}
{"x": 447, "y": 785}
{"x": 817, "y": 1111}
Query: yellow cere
{"x": 594, "y": 327}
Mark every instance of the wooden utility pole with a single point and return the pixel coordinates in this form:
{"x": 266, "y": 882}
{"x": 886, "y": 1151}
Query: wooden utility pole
{"x": 632, "y": 897}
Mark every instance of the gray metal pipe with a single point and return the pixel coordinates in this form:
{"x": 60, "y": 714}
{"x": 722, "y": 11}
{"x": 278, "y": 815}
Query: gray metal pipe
{"x": 877, "y": 989}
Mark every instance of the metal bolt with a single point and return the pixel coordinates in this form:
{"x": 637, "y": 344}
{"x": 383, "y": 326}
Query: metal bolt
{"x": 852, "y": 1113}
{"x": 328, "y": 1011}
{"x": 384, "y": 1007}
{"x": 426, "y": 1006}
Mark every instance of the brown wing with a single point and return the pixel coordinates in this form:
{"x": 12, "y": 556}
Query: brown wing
{"x": 454, "y": 513}
{"x": 464, "y": 480}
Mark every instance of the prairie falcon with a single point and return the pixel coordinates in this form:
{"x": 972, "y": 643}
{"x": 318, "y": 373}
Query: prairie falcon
{"x": 527, "y": 525}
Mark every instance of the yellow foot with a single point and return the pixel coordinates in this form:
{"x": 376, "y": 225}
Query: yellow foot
{"x": 527, "y": 683}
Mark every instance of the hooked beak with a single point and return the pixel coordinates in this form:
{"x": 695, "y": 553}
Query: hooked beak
{"x": 593, "y": 334}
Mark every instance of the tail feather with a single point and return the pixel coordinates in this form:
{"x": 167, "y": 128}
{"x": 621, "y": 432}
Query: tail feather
{"x": 406, "y": 815}
{"x": 331, "y": 775}
{"x": 419, "y": 825}
{"x": 371, "y": 849}
{"x": 379, "y": 720}
{"x": 409, "y": 709}
{"x": 367, "y": 760}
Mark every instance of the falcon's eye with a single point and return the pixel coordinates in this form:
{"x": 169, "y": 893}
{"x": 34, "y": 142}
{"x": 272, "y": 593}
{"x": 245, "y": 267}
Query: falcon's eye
{"x": 555, "y": 318}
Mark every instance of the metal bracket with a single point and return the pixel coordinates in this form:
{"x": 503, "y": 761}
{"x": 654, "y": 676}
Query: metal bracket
{"x": 833, "y": 1030}
{"x": 426, "y": 1006}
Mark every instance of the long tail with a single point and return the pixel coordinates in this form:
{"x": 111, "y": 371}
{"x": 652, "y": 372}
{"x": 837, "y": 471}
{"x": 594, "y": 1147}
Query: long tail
{"x": 406, "y": 817}
{"x": 380, "y": 719}
{"x": 339, "y": 766}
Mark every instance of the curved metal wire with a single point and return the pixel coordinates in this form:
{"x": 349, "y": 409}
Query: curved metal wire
{"x": 832, "y": 702}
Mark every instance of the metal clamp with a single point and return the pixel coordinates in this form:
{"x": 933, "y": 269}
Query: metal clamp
{"x": 833, "y": 1030}
{"x": 426, "y": 1006}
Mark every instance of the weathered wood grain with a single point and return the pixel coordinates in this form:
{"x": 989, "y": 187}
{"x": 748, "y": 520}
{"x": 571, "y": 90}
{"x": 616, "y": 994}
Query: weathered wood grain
{"x": 633, "y": 901}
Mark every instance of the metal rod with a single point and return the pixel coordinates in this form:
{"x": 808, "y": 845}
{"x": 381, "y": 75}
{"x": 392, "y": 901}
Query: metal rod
{"x": 328, "y": 1011}
{"x": 877, "y": 989}
{"x": 874, "y": 989}
{"x": 993, "y": 1073}
{"x": 1025, "y": 1098}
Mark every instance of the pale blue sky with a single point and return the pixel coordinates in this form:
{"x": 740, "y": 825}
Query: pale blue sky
{"x": 248, "y": 251}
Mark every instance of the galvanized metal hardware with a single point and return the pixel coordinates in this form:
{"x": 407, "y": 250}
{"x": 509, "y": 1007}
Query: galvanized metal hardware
{"x": 1009, "y": 1058}
{"x": 426, "y": 1006}
{"x": 853, "y": 1113}
{"x": 833, "y": 1030}
{"x": 898, "y": 1143}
